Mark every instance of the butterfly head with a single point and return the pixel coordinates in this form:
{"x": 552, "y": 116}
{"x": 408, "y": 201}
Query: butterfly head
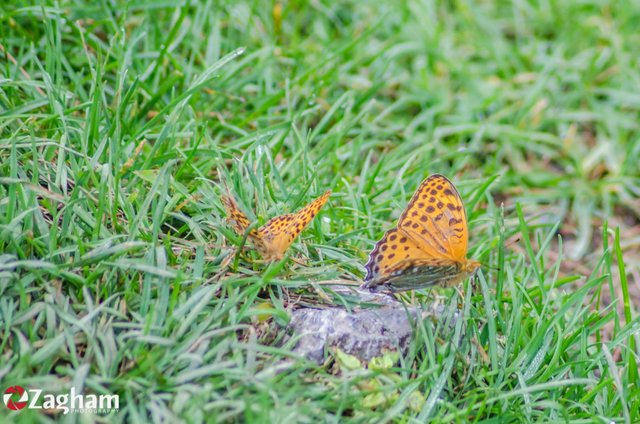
{"x": 471, "y": 266}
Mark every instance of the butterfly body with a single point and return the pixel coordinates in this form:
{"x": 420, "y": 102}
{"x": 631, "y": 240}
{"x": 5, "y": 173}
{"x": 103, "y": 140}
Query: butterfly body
{"x": 273, "y": 238}
{"x": 427, "y": 247}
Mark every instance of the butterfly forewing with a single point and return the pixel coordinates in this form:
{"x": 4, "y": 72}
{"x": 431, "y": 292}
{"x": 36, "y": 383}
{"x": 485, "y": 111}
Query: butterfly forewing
{"x": 235, "y": 217}
{"x": 436, "y": 219}
{"x": 241, "y": 223}
{"x": 394, "y": 247}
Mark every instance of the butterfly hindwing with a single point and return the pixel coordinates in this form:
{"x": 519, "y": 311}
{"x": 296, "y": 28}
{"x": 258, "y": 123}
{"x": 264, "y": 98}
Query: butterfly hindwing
{"x": 411, "y": 274}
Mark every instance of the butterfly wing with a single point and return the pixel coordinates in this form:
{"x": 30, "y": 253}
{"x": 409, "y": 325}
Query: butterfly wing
{"x": 429, "y": 244}
{"x": 279, "y": 232}
{"x": 240, "y": 222}
{"x": 436, "y": 220}
{"x": 412, "y": 274}
{"x": 394, "y": 247}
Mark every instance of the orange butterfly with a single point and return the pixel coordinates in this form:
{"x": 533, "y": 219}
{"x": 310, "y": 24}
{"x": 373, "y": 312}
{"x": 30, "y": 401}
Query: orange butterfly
{"x": 274, "y": 237}
{"x": 427, "y": 247}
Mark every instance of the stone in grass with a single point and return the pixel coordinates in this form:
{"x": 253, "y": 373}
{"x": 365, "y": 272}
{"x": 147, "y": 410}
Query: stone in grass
{"x": 364, "y": 332}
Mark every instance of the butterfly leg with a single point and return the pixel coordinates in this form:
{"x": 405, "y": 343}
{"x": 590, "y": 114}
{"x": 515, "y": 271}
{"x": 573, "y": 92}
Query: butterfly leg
{"x": 321, "y": 293}
{"x": 438, "y": 301}
{"x": 461, "y": 298}
{"x": 224, "y": 265}
{"x": 481, "y": 351}
{"x": 229, "y": 258}
{"x": 474, "y": 286}
{"x": 299, "y": 261}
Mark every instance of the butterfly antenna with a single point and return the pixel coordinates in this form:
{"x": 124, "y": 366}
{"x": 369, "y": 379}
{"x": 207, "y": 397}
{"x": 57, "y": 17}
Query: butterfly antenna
{"x": 225, "y": 185}
{"x": 497, "y": 268}
{"x": 493, "y": 268}
{"x": 512, "y": 242}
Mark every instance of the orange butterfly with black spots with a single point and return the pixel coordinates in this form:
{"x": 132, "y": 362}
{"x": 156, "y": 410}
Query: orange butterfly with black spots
{"x": 273, "y": 238}
{"x": 427, "y": 247}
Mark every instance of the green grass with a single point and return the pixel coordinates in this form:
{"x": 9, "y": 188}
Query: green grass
{"x": 119, "y": 124}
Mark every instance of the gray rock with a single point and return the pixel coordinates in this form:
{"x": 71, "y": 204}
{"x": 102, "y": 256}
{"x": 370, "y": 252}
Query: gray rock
{"x": 365, "y": 331}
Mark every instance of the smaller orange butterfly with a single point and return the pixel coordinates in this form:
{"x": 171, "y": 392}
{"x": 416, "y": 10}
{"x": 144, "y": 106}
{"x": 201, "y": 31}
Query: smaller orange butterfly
{"x": 427, "y": 247}
{"x": 273, "y": 238}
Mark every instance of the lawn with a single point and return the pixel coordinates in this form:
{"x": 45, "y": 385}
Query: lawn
{"x": 123, "y": 123}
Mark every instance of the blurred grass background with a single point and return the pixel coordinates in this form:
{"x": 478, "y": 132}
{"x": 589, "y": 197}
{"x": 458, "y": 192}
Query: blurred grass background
{"x": 120, "y": 120}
